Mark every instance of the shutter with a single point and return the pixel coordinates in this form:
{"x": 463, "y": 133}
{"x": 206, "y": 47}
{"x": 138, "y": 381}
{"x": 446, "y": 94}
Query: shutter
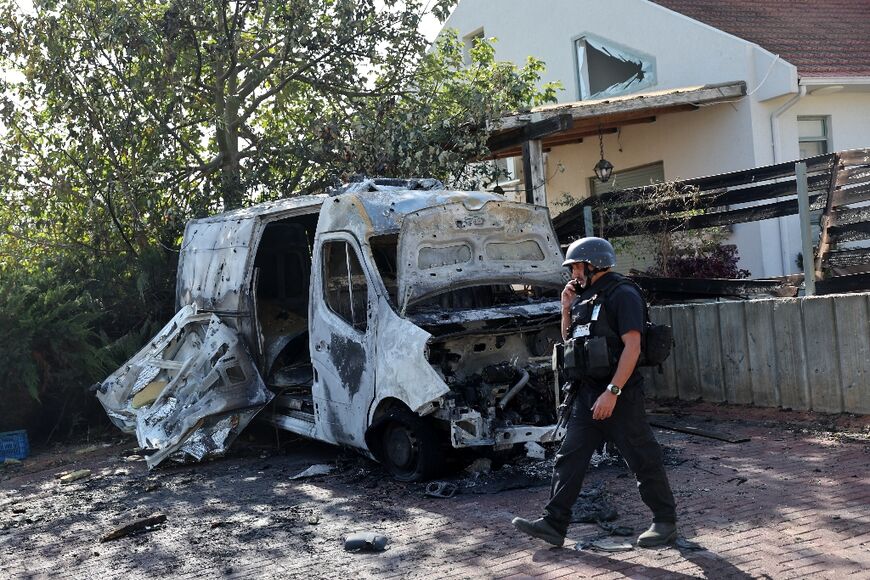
{"x": 628, "y": 178}
{"x": 635, "y": 252}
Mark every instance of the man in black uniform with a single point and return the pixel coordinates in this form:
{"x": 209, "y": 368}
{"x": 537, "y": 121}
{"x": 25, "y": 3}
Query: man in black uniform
{"x": 607, "y": 408}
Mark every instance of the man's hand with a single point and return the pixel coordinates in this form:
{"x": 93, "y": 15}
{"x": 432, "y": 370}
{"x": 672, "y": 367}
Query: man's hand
{"x": 569, "y": 292}
{"x": 603, "y": 407}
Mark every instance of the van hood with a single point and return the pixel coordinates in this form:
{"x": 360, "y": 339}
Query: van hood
{"x": 458, "y": 245}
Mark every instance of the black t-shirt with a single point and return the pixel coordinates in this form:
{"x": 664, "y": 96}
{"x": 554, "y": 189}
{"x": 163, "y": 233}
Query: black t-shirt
{"x": 624, "y": 309}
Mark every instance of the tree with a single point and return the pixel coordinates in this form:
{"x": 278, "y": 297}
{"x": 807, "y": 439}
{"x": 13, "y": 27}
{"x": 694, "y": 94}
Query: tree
{"x": 134, "y": 116}
{"x": 125, "y": 119}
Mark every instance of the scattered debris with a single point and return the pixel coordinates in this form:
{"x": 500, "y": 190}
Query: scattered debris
{"x": 511, "y": 476}
{"x": 152, "y": 486}
{"x": 10, "y": 461}
{"x": 74, "y": 476}
{"x": 604, "y": 457}
{"x": 615, "y": 530}
{"x": 366, "y": 542}
{"x": 442, "y": 489}
{"x": 480, "y": 465}
{"x": 592, "y": 507}
{"x": 142, "y": 524}
{"x": 535, "y": 450}
{"x": 684, "y": 544}
{"x": 673, "y": 424}
{"x": 604, "y": 545}
{"x": 317, "y": 469}
{"x": 739, "y": 480}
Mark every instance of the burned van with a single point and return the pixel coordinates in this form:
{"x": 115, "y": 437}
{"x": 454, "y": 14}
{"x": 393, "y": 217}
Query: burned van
{"x": 389, "y": 316}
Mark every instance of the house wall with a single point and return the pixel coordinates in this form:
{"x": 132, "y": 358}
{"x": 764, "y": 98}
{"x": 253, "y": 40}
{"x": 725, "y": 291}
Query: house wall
{"x": 547, "y": 31}
{"x": 716, "y": 139}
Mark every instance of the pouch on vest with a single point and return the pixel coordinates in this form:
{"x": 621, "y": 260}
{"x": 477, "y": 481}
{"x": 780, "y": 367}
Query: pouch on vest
{"x": 598, "y": 364}
{"x": 573, "y": 359}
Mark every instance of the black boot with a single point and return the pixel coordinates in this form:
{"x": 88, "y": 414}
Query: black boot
{"x": 541, "y": 529}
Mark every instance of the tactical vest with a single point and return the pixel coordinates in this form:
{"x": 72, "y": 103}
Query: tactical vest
{"x": 592, "y": 331}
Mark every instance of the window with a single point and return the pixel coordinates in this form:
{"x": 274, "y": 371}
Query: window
{"x": 605, "y": 70}
{"x": 813, "y": 136}
{"x": 468, "y": 42}
{"x": 344, "y": 284}
{"x": 628, "y": 178}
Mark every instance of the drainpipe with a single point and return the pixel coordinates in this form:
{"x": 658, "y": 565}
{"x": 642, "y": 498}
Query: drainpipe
{"x": 777, "y": 154}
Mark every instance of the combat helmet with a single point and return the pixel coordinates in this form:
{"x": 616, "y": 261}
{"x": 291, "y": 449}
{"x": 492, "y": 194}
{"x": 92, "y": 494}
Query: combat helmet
{"x": 597, "y": 252}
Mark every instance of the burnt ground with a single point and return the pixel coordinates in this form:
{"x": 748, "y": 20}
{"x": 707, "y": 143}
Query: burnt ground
{"x": 791, "y": 502}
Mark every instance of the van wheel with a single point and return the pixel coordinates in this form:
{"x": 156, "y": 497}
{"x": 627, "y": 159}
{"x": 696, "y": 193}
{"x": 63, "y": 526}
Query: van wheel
{"x": 410, "y": 447}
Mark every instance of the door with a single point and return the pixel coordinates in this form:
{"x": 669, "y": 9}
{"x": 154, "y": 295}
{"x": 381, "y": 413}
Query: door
{"x": 341, "y": 339}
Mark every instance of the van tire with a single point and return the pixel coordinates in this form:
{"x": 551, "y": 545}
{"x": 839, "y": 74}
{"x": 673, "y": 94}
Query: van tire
{"x": 410, "y": 447}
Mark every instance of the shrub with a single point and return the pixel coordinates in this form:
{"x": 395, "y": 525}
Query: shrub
{"x": 710, "y": 261}
{"x": 49, "y": 347}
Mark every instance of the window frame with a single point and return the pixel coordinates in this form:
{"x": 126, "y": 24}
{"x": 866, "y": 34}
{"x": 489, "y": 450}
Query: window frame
{"x": 581, "y": 71}
{"x": 826, "y": 128}
{"x": 325, "y": 246}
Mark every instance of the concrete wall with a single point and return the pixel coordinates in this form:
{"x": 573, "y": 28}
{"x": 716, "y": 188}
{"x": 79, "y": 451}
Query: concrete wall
{"x": 797, "y": 353}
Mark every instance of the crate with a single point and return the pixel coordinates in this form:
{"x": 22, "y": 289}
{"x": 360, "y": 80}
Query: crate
{"x": 13, "y": 444}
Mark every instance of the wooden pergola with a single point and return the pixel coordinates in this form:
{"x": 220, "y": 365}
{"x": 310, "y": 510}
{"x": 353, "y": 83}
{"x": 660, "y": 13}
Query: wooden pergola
{"x": 532, "y": 132}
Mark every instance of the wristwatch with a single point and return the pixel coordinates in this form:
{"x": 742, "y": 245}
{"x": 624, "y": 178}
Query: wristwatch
{"x": 614, "y": 389}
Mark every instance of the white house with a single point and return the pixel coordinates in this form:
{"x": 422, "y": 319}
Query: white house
{"x": 805, "y": 65}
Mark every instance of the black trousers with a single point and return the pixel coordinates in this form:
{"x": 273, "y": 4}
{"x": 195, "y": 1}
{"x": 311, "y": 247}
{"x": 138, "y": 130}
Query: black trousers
{"x": 628, "y": 429}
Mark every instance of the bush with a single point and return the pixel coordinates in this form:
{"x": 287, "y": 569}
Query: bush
{"x": 63, "y": 328}
{"x": 49, "y": 348}
{"x": 711, "y": 261}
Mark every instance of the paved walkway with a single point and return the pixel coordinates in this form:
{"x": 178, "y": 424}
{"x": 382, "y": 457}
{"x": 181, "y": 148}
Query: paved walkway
{"x": 790, "y": 503}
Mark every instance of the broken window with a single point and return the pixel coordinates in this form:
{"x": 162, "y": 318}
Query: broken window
{"x": 605, "y": 70}
{"x": 344, "y": 283}
{"x": 384, "y": 251}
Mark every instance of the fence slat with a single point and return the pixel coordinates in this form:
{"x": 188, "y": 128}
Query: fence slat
{"x": 762, "y": 353}
{"x": 709, "y": 352}
{"x": 853, "y": 345}
{"x": 822, "y": 361}
{"x": 686, "y": 353}
{"x": 789, "y": 347}
{"x": 735, "y": 358}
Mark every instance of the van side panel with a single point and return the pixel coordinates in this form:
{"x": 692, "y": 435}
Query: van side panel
{"x": 213, "y": 263}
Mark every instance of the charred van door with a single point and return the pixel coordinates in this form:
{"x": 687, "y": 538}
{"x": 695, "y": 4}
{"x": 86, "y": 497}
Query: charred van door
{"x": 342, "y": 340}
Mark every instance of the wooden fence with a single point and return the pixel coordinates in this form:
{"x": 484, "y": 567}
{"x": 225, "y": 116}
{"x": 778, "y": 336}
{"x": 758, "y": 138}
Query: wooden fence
{"x": 838, "y": 184}
{"x": 809, "y": 353}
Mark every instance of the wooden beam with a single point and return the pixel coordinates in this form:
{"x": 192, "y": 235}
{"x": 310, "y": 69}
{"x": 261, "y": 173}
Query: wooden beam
{"x": 846, "y": 262}
{"x": 516, "y": 137}
{"x": 851, "y": 195}
{"x": 838, "y": 284}
{"x": 786, "y": 286}
{"x": 853, "y": 175}
{"x": 827, "y": 220}
{"x": 646, "y": 102}
{"x": 847, "y": 233}
{"x": 533, "y": 170}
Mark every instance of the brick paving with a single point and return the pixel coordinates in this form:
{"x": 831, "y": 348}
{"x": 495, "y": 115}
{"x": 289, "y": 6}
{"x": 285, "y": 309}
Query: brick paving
{"x": 790, "y": 503}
